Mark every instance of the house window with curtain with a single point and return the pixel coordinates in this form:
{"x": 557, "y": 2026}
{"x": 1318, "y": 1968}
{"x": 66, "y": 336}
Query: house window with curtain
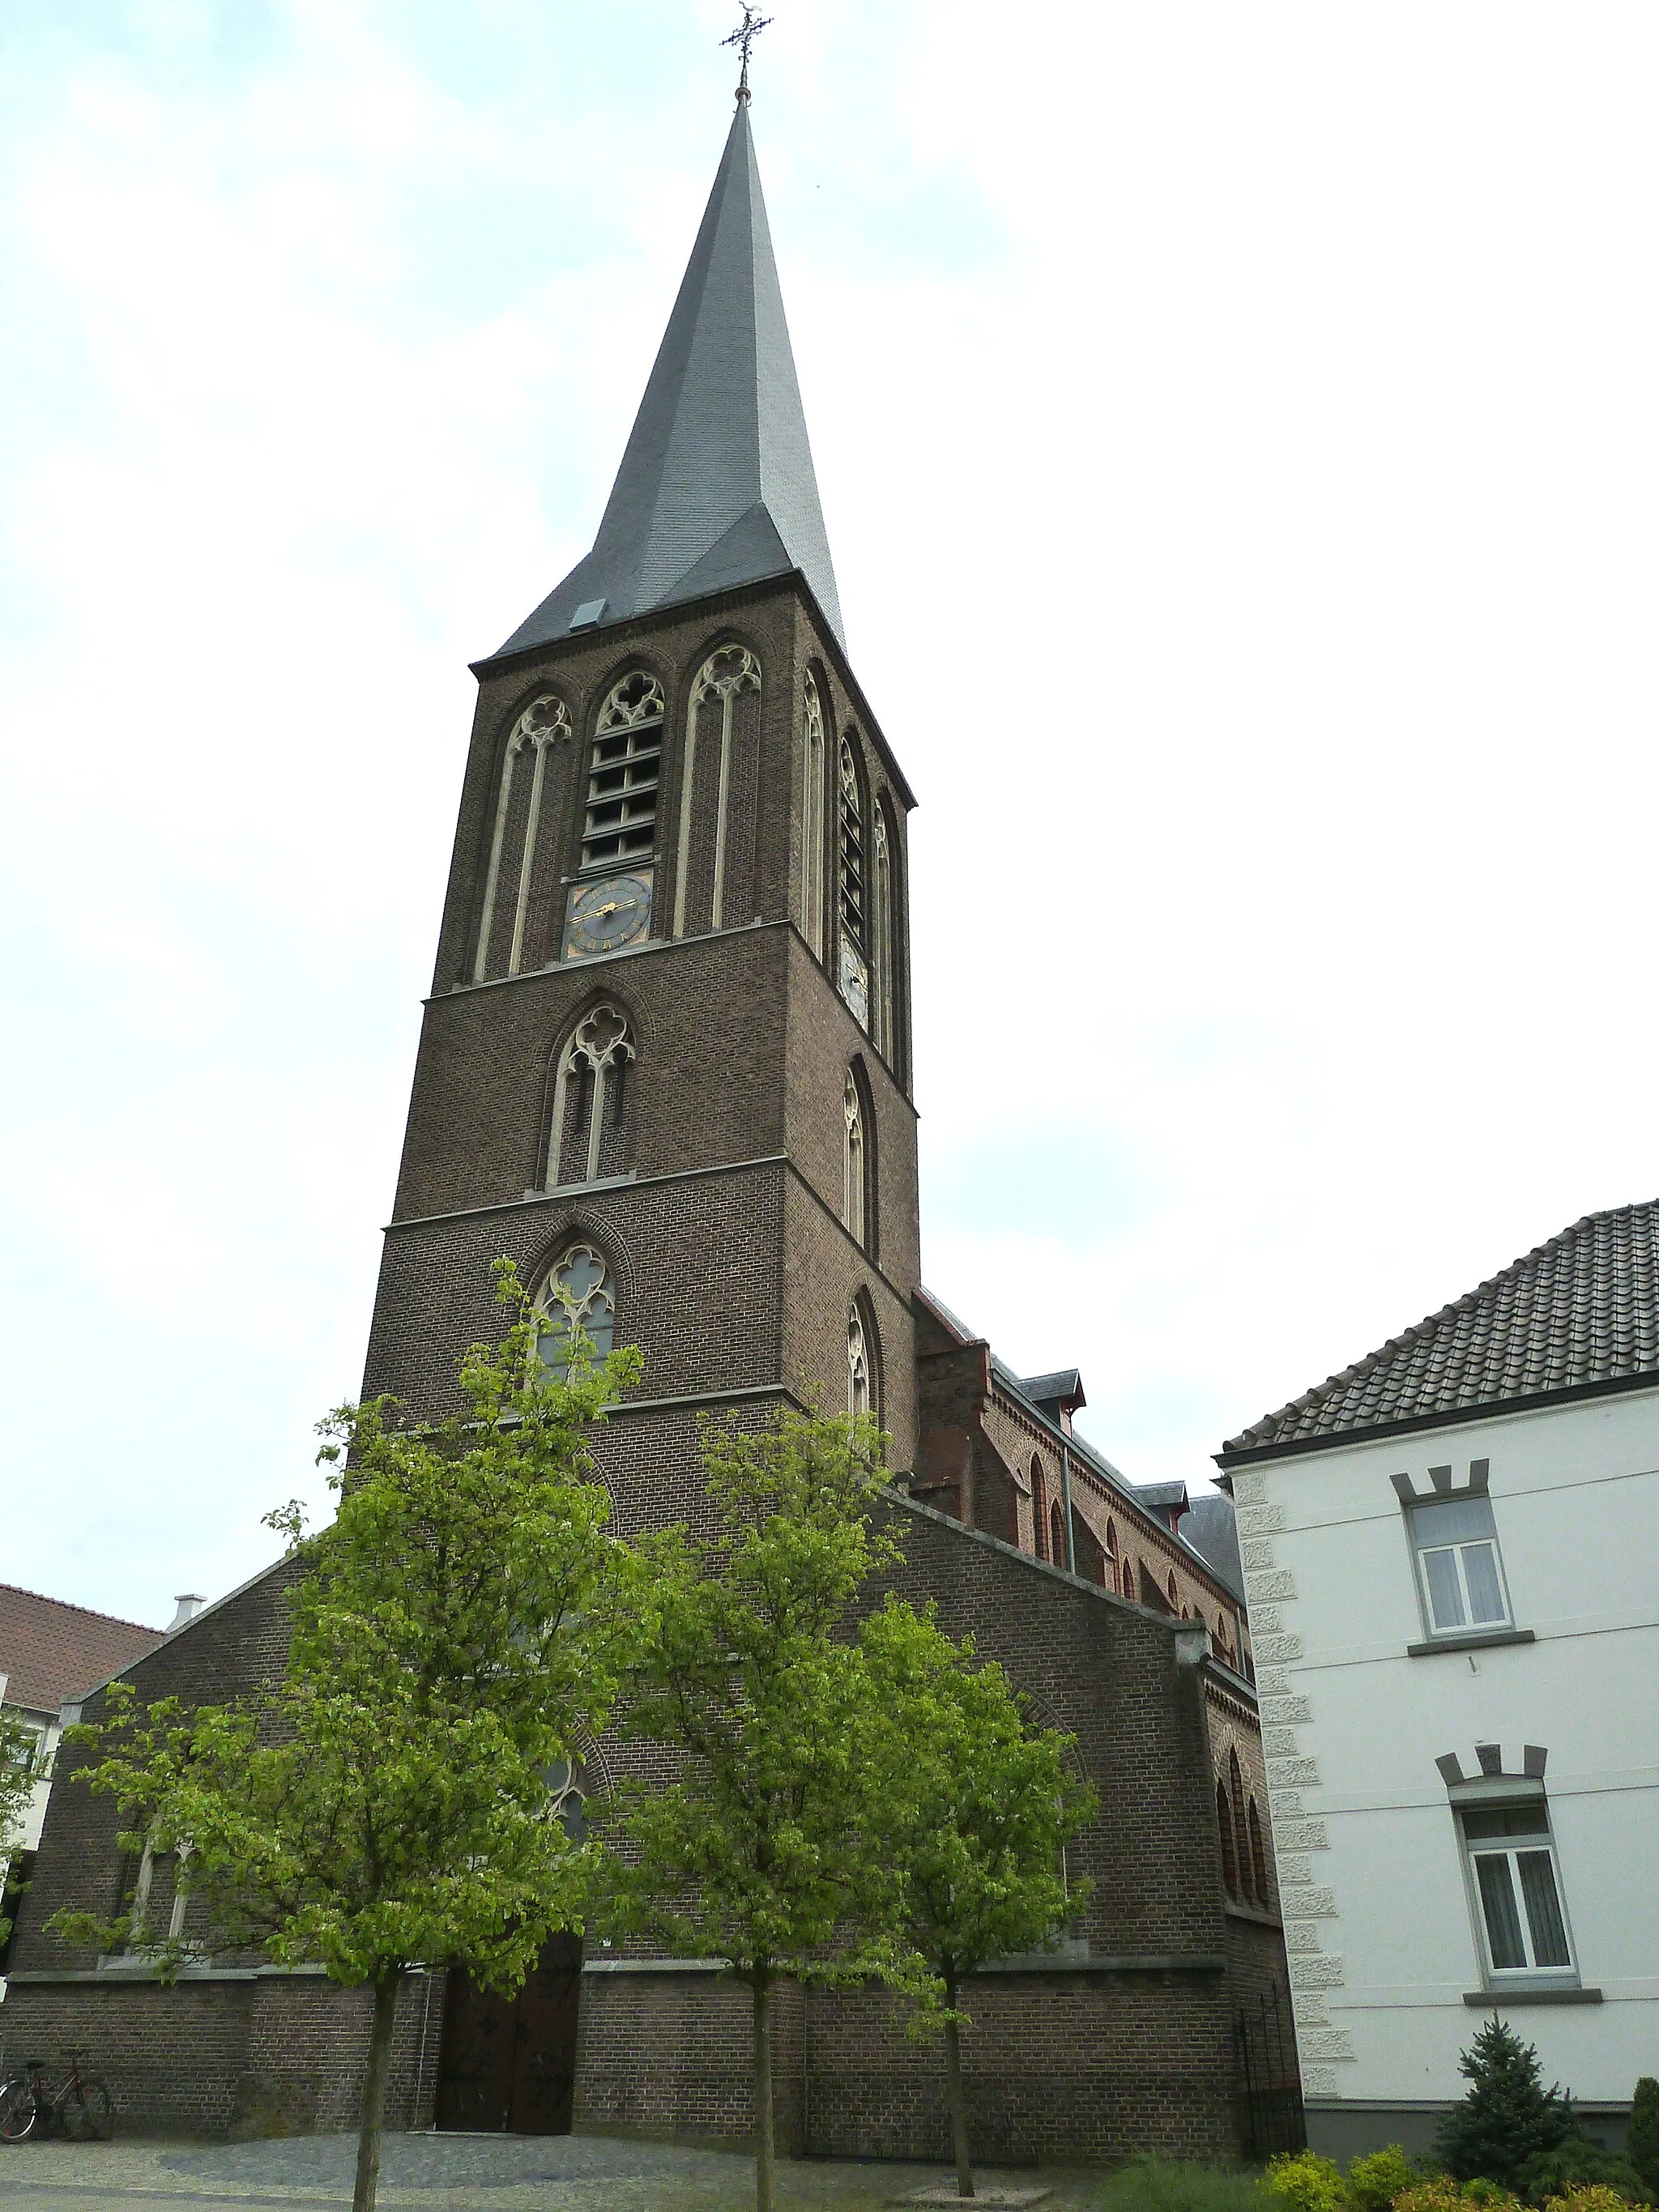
{"x": 1515, "y": 1879}
{"x": 1459, "y": 1574}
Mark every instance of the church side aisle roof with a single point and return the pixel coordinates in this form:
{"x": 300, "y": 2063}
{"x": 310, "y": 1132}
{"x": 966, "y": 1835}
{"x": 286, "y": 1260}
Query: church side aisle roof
{"x": 716, "y": 487}
{"x": 1578, "y": 1313}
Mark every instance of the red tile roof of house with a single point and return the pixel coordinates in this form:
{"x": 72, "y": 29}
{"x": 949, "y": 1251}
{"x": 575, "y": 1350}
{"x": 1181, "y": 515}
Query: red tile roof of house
{"x": 51, "y": 1651}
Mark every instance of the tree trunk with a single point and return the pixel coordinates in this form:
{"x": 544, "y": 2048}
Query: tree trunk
{"x": 376, "y": 2070}
{"x": 764, "y": 2157}
{"x": 959, "y": 2102}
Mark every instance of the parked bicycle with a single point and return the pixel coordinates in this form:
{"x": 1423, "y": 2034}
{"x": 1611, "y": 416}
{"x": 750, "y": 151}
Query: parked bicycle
{"x": 79, "y": 2104}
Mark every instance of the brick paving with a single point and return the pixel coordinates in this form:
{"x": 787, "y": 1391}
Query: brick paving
{"x": 471, "y": 2173}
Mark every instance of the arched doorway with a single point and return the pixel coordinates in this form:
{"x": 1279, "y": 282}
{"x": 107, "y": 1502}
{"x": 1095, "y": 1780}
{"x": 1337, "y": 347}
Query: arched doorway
{"x": 508, "y": 2064}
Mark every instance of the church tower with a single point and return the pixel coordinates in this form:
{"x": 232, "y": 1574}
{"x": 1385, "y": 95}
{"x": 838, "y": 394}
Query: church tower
{"x": 666, "y": 1060}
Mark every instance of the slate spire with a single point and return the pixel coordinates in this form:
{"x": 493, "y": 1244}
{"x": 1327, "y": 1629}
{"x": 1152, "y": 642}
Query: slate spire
{"x": 716, "y": 486}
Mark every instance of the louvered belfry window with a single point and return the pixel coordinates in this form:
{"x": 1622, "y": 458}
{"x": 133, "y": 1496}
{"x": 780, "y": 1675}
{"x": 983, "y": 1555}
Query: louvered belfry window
{"x": 852, "y": 849}
{"x": 620, "y": 823}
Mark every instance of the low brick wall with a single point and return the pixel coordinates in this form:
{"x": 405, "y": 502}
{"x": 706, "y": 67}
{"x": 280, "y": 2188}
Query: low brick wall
{"x": 275, "y": 2054}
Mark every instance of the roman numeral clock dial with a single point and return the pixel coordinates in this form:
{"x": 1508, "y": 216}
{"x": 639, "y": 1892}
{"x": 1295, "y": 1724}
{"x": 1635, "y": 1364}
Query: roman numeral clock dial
{"x": 607, "y": 914}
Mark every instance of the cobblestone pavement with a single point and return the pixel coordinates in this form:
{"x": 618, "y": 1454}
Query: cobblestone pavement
{"x": 471, "y": 2173}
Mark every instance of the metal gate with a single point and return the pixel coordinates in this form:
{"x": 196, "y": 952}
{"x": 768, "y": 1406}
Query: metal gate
{"x": 1269, "y": 2082}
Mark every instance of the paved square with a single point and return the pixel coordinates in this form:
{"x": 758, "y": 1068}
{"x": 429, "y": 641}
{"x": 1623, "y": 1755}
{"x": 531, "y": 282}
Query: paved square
{"x": 470, "y": 2174}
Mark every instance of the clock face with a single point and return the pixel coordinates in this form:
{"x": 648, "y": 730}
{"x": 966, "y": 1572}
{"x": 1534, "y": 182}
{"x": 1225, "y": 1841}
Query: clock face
{"x": 606, "y": 915}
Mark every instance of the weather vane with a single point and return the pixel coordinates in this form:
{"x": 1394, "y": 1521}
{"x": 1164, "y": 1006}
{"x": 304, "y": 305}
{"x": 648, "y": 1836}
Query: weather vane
{"x": 744, "y": 39}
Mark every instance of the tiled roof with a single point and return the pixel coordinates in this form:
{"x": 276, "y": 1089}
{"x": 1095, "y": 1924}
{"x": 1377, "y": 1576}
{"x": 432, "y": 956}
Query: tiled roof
{"x": 1579, "y": 1312}
{"x": 51, "y": 1651}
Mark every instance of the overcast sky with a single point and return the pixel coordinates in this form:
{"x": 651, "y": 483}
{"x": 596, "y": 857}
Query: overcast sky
{"x": 1236, "y": 431}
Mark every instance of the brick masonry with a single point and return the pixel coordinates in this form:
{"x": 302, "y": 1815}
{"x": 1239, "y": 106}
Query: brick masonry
{"x": 719, "y": 1214}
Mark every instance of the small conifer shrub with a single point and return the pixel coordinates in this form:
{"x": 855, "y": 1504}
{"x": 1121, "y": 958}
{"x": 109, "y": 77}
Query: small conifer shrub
{"x": 1506, "y": 2116}
{"x": 1642, "y": 2147}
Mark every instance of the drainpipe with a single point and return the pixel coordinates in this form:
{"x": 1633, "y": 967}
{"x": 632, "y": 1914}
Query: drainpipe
{"x": 1066, "y": 1493}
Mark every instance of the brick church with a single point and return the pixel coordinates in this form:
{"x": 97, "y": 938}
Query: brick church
{"x": 666, "y": 1065}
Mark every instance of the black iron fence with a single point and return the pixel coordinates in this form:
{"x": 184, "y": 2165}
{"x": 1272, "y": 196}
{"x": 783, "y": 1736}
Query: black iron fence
{"x": 1269, "y": 2082}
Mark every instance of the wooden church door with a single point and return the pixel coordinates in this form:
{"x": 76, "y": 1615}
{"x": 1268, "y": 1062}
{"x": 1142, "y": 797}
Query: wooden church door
{"x": 508, "y": 2064}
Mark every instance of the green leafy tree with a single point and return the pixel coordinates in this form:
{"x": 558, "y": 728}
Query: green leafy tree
{"x": 384, "y": 1804}
{"x": 1507, "y": 2116}
{"x": 971, "y": 1810}
{"x": 746, "y": 1666}
{"x": 1642, "y": 2147}
{"x": 20, "y": 1769}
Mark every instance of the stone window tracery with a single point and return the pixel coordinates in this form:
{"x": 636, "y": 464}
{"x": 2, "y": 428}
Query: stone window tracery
{"x": 812, "y": 823}
{"x": 575, "y": 1295}
{"x": 623, "y": 765}
{"x": 726, "y": 673}
{"x": 542, "y": 724}
{"x": 883, "y": 997}
{"x": 854, "y": 1172}
{"x": 860, "y": 1389}
{"x": 590, "y": 1095}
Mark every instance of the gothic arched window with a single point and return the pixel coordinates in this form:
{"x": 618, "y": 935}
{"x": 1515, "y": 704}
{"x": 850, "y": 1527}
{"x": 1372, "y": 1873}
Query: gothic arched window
{"x": 1039, "y": 1510}
{"x": 1175, "y": 1594}
{"x": 1224, "y": 1650}
{"x": 863, "y": 1354}
{"x": 811, "y": 907}
{"x": 1110, "y": 1577}
{"x": 1224, "y": 1819}
{"x": 854, "y": 895}
{"x": 1258, "y": 1854}
{"x": 885, "y": 960}
{"x": 1056, "y": 1535}
{"x": 519, "y": 814}
{"x": 621, "y": 821}
{"x": 588, "y": 1132}
{"x": 576, "y": 1295}
{"x": 1235, "y": 1792}
{"x": 716, "y": 792}
{"x": 854, "y": 1172}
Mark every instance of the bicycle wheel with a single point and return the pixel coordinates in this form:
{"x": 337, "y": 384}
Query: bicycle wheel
{"x": 86, "y": 2112}
{"x": 18, "y": 2112}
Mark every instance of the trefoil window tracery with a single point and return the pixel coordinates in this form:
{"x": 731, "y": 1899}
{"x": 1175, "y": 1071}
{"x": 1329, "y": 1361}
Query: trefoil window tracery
{"x": 859, "y": 1397}
{"x": 623, "y": 768}
{"x": 852, "y": 1161}
{"x": 543, "y": 723}
{"x": 576, "y": 1297}
{"x": 812, "y": 824}
{"x": 727, "y": 671}
{"x": 589, "y": 1089}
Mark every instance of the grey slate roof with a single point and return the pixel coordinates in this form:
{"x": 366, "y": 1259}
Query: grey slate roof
{"x": 1064, "y": 1386}
{"x": 1210, "y": 1527}
{"x": 1581, "y": 1312}
{"x": 716, "y": 486}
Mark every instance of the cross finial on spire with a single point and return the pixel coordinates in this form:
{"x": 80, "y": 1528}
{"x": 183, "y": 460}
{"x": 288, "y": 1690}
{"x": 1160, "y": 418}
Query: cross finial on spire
{"x": 744, "y": 39}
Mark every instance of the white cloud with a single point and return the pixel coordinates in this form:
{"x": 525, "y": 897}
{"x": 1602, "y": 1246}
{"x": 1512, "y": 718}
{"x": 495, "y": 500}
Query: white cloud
{"x": 1237, "y": 439}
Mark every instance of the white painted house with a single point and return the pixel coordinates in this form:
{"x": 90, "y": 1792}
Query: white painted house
{"x": 50, "y": 1652}
{"x": 1451, "y": 1554}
